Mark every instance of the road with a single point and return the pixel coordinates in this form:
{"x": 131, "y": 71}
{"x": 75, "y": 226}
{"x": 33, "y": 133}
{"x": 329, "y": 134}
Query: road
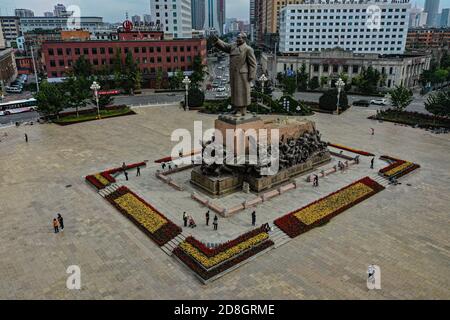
{"x": 218, "y": 69}
{"x": 417, "y": 105}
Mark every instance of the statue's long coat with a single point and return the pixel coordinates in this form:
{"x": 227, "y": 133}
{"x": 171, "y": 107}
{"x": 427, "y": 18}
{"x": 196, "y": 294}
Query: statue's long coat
{"x": 242, "y": 71}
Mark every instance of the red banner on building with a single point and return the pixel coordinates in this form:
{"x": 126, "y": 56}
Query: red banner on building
{"x": 109, "y": 93}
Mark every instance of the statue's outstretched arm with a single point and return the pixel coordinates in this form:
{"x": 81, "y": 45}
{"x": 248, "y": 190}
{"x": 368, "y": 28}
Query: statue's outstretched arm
{"x": 221, "y": 45}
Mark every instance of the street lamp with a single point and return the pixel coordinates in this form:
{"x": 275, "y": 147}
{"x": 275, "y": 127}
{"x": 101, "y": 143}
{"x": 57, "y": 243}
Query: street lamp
{"x": 339, "y": 85}
{"x": 263, "y": 79}
{"x": 186, "y": 82}
{"x": 95, "y": 87}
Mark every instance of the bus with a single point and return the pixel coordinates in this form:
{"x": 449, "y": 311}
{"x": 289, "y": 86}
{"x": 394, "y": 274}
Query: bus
{"x": 17, "y": 106}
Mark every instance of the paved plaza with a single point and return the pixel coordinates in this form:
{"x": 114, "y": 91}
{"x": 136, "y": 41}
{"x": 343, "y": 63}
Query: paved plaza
{"x": 403, "y": 229}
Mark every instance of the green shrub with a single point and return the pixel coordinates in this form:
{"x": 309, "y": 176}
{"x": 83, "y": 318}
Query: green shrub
{"x": 196, "y": 98}
{"x": 328, "y": 101}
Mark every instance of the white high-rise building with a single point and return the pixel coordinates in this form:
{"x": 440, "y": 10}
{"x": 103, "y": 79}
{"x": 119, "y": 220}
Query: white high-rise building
{"x": 174, "y": 17}
{"x": 23, "y": 13}
{"x": 212, "y": 23}
{"x": 372, "y": 26}
{"x": 417, "y": 17}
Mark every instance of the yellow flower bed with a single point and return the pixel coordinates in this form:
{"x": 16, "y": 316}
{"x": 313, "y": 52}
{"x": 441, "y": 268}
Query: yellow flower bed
{"x": 147, "y": 217}
{"x": 331, "y": 204}
{"x": 101, "y": 179}
{"x": 397, "y": 169}
{"x": 223, "y": 256}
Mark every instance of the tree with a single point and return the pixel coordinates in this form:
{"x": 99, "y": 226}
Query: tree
{"x": 104, "y": 100}
{"x": 302, "y": 78}
{"x": 289, "y": 85}
{"x": 196, "y": 98}
{"x": 130, "y": 74}
{"x": 51, "y": 99}
{"x": 328, "y": 101}
{"x": 440, "y": 75}
{"x": 77, "y": 90}
{"x": 401, "y": 97}
{"x": 198, "y": 72}
{"x": 82, "y": 67}
{"x": 314, "y": 83}
{"x": 176, "y": 80}
{"x": 159, "y": 78}
{"x": 367, "y": 81}
{"x": 323, "y": 81}
{"x": 439, "y": 104}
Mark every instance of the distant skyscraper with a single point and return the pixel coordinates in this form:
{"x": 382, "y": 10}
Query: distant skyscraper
{"x": 136, "y": 19}
{"x": 147, "y": 18}
{"x": 417, "y": 17}
{"x": 221, "y": 8}
{"x": 60, "y": 10}
{"x": 432, "y": 8}
{"x": 212, "y": 17}
{"x": 174, "y": 18}
{"x": 48, "y": 14}
{"x": 445, "y": 17}
{"x": 198, "y": 14}
{"x": 23, "y": 13}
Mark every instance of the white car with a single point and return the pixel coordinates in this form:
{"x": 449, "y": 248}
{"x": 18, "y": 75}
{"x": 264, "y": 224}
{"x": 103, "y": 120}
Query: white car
{"x": 380, "y": 102}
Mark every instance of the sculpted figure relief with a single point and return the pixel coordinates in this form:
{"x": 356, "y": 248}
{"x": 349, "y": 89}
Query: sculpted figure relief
{"x": 242, "y": 70}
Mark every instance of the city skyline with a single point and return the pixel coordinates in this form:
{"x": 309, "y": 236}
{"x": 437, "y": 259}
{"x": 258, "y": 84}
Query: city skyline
{"x": 113, "y": 10}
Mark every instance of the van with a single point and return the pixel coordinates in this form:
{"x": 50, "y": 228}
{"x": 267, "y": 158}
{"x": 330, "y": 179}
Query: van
{"x": 13, "y": 89}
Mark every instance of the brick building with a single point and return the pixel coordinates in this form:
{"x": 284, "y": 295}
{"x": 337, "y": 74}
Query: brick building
{"x": 150, "y": 55}
{"x": 8, "y": 69}
{"x": 428, "y": 38}
{"x": 24, "y": 65}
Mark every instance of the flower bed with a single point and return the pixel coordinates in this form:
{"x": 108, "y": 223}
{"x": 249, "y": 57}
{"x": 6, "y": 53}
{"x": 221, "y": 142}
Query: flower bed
{"x": 363, "y": 153}
{"x": 207, "y": 263}
{"x": 105, "y": 178}
{"x": 397, "y": 167}
{"x": 322, "y": 210}
{"x": 147, "y": 218}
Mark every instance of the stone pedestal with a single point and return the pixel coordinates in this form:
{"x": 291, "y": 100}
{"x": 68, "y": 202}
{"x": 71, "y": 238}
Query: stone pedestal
{"x": 216, "y": 186}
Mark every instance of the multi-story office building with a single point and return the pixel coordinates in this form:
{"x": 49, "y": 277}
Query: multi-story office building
{"x": 60, "y": 11}
{"x": 221, "y": 11}
{"x": 428, "y": 38}
{"x": 212, "y": 23}
{"x": 198, "y": 14}
{"x": 11, "y": 29}
{"x": 2, "y": 40}
{"x": 432, "y": 8}
{"x": 417, "y": 17}
{"x": 136, "y": 19}
{"x": 147, "y": 19}
{"x": 48, "y": 23}
{"x": 445, "y": 18}
{"x": 330, "y": 64}
{"x": 48, "y": 14}
{"x": 150, "y": 55}
{"x": 174, "y": 17}
{"x": 349, "y": 25}
{"x": 21, "y": 13}
{"x": 8, "y": 68}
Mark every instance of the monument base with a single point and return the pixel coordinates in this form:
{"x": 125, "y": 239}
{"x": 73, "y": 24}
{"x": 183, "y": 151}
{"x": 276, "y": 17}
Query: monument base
{"x": 226, "y": 184}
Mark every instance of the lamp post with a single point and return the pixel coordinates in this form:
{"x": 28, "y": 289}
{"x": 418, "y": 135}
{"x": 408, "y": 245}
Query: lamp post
{"x": 95, "y": 87}
{"x": 186, "y": 82}
{"x": 339, "y": 85}
{"x": 263, "y": 79}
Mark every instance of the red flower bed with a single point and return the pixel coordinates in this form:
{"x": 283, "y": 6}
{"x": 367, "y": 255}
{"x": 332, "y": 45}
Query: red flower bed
{"x": 395, "y": 163}
{"x": 205, "y": 275}
{"x": 164, "y": 234}
{"x": 224, "y": 246}
{"x": 363, "y": 153}
{"x": 292, "y": 225}
{"x": 108, "y": 175}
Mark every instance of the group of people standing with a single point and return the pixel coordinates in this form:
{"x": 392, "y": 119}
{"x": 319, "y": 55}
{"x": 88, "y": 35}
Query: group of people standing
{"x": 124, "y": 169}
{"x": 58, "y": 223}
{"x": 188, "y": 220}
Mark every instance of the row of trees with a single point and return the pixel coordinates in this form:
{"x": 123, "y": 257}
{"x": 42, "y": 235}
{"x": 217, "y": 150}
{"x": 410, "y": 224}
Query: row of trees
{"x": 438, "y": 73}
{"x": 367, "y": 82}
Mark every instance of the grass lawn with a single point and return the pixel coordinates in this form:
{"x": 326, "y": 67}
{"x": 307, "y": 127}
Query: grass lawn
{"x": 72, "y": 119}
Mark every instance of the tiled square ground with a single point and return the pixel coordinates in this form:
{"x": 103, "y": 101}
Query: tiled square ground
{"x": 404, "y": 229}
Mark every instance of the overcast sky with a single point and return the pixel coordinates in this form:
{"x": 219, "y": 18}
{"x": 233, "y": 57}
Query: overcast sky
{"x": 114, "y": 10}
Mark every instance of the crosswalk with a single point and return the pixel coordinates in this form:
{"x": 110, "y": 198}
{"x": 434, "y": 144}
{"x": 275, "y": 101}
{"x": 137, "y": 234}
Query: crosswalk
{"x": 278, "y": 237}
{"x": 108, "y": 190}
{"x": 379, "y": 179}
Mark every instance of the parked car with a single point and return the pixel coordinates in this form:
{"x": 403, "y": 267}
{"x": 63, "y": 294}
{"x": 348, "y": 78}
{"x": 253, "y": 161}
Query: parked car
{"x": 361, "y": 103}
{"x": 13, "y": 89}
{"x": 380, "y": 102}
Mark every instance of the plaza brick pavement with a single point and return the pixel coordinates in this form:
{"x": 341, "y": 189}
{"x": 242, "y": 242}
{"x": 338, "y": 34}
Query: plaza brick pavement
{"x": 403, "y": 229}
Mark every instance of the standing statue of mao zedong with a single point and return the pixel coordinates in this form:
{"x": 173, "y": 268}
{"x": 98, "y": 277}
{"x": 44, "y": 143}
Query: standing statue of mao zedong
{"x": 242, "y": 70}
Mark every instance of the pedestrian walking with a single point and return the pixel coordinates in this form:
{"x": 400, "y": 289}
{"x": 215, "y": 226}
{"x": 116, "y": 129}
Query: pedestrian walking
{"x": 55, "y": 225}
{"x": 138, "y": 171}
{"x": 26, "y": 138}
{"x": 316, "y": 180}
{"x": 170, "y": 166}
{"x": 60, "y": 221}
{"x": 126, "y": 175}
{"x": 253, "y": 218}
{"x": 371, "y": 162}
{"x": 185, "y": 219}
{"x": 163, "y": 165}
{"x": 124, "y": 167}
{"x": 373, "y": 131}
{"x": 215, "y": 222}
{"x": 207, "y": 218}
